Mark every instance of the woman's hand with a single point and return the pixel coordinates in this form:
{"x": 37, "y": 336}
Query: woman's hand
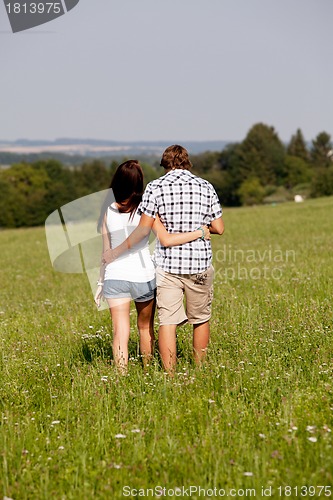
{"x": 206, "y": 232}
{"x": 108, "y": 256}
{"x": 98, "y": 295}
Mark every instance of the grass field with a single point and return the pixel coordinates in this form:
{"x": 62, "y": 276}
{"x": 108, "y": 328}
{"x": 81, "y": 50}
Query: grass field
{"x": 258, "y": 415}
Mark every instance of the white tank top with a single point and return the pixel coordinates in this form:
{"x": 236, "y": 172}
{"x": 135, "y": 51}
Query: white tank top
{"x": 136, "y": 264}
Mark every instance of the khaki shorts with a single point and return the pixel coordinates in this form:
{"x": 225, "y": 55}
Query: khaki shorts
{"x": 198, "y": 291}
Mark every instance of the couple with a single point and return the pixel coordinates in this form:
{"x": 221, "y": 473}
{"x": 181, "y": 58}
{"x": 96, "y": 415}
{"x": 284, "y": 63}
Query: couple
{"x": 182, "y": 210}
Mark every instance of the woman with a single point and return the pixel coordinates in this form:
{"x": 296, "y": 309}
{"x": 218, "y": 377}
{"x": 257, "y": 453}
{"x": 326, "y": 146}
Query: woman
{"x": 133, "y": 275}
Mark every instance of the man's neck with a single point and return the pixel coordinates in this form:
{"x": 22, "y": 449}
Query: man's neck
{"x": 167, "y": 170}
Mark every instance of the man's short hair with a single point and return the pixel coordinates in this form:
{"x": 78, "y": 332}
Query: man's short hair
{"x": 176, "y": 157}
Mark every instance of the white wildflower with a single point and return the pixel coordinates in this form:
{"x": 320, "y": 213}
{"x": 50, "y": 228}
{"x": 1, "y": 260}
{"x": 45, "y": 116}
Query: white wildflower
{"x": 310, "y": 428}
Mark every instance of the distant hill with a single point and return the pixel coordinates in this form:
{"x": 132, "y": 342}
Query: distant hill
{"x": 100, "y": 148}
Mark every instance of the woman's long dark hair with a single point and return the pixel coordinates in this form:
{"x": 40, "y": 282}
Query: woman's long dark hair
{"x": 126, "y": 188}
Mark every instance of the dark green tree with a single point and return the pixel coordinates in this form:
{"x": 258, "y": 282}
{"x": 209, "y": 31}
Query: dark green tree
{"x": 231, "y": 174}
{"x": 297, "y": 146}
{"x": 150, "y": 173}
{"x": 61, "y": 187}
{"x": 262, "y": 155}
{"x": 11, "y": 210}
{"x": 251, "y": 192}
{"x": 205, "y": 162}
{"x": 25, "y": 195}
{"x": 298, "y": 171}
{"x": 92, "y": 177}
{"x": 113, "y": 167}
{"x": 321, "y": 146}
{"x": 322, "y": 184}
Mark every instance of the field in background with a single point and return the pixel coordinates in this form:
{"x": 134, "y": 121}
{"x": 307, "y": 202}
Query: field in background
{"x": 258, "y": 415}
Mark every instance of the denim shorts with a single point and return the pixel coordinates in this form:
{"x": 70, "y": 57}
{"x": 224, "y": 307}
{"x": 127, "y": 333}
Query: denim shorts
{"x": 139, "y": 292}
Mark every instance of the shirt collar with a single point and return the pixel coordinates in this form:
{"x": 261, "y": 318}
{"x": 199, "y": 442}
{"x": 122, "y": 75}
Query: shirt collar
{"x": 178, "y": 172}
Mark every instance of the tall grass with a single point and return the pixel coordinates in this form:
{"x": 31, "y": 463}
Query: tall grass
{"x": 258, "y": 414}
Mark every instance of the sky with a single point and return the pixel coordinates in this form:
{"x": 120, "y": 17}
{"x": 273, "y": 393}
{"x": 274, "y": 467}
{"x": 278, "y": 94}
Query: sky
{"x": 177, "y": 70}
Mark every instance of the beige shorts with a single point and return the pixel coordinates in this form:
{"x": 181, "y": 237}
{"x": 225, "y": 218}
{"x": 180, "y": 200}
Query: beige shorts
{"x": 171, "y": 289}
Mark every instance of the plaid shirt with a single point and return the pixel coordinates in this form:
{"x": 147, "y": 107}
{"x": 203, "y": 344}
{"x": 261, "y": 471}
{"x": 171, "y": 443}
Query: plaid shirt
{"x": 183, "y": 202}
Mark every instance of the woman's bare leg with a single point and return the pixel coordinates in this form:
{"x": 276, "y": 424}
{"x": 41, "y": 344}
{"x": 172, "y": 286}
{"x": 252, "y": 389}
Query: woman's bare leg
{"x": 120, "y": 315}
{"x": 146, "y": 311}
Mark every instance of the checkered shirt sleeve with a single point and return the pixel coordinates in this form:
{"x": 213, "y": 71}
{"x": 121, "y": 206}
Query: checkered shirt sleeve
{"x": 148, "y": 204}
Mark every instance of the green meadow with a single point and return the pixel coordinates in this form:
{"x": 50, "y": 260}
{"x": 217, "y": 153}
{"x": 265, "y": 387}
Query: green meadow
{"x": 255, "y": 421}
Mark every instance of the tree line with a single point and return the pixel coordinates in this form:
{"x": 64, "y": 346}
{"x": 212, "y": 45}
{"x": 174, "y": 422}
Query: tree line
{"x": 260, "y": 169}
{"x": 31, "y": 191}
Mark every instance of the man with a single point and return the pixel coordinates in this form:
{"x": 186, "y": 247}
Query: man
{"x": 183, "y": 202}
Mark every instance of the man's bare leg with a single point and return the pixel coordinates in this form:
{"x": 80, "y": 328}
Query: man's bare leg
{"x": 200, "y": 341}
{"x": 167, "y": 347}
